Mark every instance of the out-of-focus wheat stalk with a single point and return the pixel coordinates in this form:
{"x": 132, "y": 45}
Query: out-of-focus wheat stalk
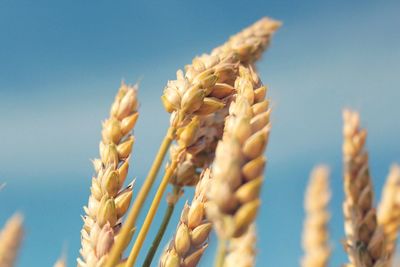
{"x": 61, "y": 262}
{"x": 315, "y": 231}
{"x": 190, "y": 239}
{"x": 108, "y": 201}
{"x": 242, "y": 250}
{"x": 364, "y": 240}
{"x": 200, "y": 91}
{"x": 239, "y": 162}
{"x": 10, "y": 240}
{"x": 389, "y": 211}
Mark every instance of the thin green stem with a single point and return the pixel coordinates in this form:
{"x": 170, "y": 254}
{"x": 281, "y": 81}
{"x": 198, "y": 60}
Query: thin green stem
{"x": 128, "y": 226}
{"x": 161, "y": 231}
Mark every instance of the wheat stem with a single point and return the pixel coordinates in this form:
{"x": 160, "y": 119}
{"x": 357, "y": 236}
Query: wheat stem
{"x": 221, "y": 252}
{"x": 141, "y": 197}
{"x": 161, "y": 231}
{"x": 150, "y": 214}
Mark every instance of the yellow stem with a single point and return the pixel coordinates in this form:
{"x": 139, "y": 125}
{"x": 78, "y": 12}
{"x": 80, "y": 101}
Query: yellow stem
{"x": 126, "y": 230}
{"x": 221, "y": 252}
{"x": 150, "y": 215}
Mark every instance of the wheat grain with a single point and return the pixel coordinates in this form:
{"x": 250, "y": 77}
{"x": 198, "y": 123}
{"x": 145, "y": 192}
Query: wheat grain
{"x": 201, "y": 153}
{"x": 242, "y": 250}
{"x": 364, "y": 240}
{"x": 10, "y": 240}
{"x": 239, "y": 162}
{"x": 108, "y": 201}
{"x": 389, "y": 210}
{"x": 315, "y": 232}
{"x": 190, "y": 240}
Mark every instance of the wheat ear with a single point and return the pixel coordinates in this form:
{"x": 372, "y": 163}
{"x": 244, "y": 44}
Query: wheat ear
{"x": 197, "y": 92}
{"x": 108, "y": 201}
{"x": 364, "y": 240}
{"x": 389, "y": 210}
{"x": 250, "y": 43}
{"x": 190, "y": 239}
{"x": 206, "y": 87}
{"x": 315, "y": 231}
{"x": 239, "y": 163}
{"x": 10, "y": 240}
{"x": 242, "y": 250}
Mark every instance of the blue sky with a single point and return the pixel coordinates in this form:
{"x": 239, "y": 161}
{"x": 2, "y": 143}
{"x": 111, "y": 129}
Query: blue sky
{"x": 61, "y": 63}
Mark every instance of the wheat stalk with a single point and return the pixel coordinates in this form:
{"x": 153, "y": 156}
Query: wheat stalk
{"x": 242, "y": 250}
{"x": 108, "y": 201}
{"x": 190, "y": 239}
{"x": 364, "y": 240}
{"x": 10, "y": 240}
{"x": 389, "y": 210}
{"x": 61, "y": 262}
{"x": 239, "y": 162}
{"x": 315, "y": 231}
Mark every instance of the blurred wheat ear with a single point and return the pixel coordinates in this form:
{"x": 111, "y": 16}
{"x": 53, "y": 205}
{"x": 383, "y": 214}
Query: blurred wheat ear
{"x": 315, "y": 230}
{"x": 10, "y": 240}
{"x": 242, "y": 250}
{"x": 389, "y": 211}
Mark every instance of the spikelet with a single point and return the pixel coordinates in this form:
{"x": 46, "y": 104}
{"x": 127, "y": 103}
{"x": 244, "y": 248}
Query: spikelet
{"x": 315, "y": 231}
{"x": 10, "y": 240}
{"x": 201, "y": 153}
{"x": 199, "y": 99}
{"x": 242, "y": 250}
{"x": 190, "y": 240}
{"x": 389, "y": 210}
{"x": 364, "y": 240}
{"x": 239, "y": 162}
{"x": 108, "y": 201}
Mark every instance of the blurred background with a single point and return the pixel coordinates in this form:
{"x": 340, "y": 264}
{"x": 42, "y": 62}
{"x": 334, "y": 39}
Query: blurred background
{"x": 61, "y": 64}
